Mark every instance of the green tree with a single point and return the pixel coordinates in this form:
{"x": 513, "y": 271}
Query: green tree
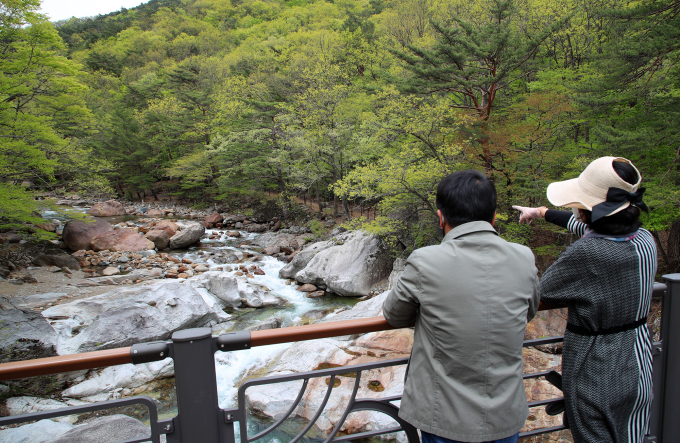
{"x": 474, "y": 62}
{"x": 41, "y": 110}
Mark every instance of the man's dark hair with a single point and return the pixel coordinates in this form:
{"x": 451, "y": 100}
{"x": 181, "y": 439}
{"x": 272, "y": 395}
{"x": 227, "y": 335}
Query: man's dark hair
{"x": 625, "y": 221}
{"x": 466, "y": 196}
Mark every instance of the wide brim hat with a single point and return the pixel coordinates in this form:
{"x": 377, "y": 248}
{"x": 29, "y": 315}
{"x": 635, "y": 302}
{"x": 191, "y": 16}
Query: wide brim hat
{"x": 591, "y": 187}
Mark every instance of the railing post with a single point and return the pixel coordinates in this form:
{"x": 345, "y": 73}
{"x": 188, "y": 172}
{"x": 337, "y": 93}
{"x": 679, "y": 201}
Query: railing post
{"x": 198, "y": 411}
{"x": 670, "y": 338}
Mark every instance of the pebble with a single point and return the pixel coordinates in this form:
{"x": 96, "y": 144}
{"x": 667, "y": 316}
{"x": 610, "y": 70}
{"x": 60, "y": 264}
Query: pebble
{"x": 111, "y": 270}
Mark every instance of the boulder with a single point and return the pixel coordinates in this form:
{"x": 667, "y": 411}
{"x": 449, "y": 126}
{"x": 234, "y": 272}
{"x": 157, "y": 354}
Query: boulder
{"x": 155, "y": 213}
{"x": 254, "y": 227}
{"x": 126, "y": 316}
{"x": 107, "y": 209}
{"x": 214, "y": 218}
{"x": 221, "y": 285}
{"x": 10, "y": 237}
{"x": 302, "y": 259}
{"x": 50, "y": 227}
{"x": 227, "y": 256}
{"x": 170, "y": 227}
{"x": 43, "y": 431}
{"x": 25, "y": 335}
{"x": 111, "y": 270}
{"x": 110, "y": 428}
{"x": 307, "y": 288}
{"x": 351, "y": 268}
{"x": 254, "y": 295}
{"x": 397, "y": 269}
{"x": 159, "y": 237}
{"x": 275, "y": 239}
{"x": 120, "y": 380}
{"x": 271, "y": 250}
{"x": 315, "y": 315}
{"x": 62, "y": 260}
{"x": 187, "y": 237}
{"x": 121, "y": 240}
{"x": 548, "y": 323}
{"x": 78, "y": 233}
{"x": 272, "y": 323}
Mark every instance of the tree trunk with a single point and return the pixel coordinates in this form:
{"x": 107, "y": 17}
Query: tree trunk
{"x": 318, "y": 198}
{"x": 282, "y": 189}
{"x": 345, "y": 207}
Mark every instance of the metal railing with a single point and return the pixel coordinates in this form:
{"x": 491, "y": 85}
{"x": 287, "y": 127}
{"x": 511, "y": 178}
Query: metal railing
{"x": 199, "y": 418}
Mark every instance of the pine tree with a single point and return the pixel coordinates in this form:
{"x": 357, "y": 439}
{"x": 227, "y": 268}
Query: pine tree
{"x": 473, "y": 62}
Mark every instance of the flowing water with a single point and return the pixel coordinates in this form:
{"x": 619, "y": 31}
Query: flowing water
{"x": 231, "y": 367}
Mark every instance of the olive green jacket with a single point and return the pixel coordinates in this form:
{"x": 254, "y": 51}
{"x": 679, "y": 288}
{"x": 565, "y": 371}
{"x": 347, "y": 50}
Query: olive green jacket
{"x": 470, "y": 297}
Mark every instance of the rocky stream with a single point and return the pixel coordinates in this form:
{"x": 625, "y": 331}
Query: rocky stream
{"x": 140, "y": 273}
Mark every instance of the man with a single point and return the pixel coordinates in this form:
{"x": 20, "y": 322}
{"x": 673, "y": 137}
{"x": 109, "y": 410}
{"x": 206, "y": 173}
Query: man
{"x": 470, "y": 297}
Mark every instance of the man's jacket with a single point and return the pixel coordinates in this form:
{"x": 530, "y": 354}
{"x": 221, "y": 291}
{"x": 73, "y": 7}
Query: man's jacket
{"x": 471, "y": 298}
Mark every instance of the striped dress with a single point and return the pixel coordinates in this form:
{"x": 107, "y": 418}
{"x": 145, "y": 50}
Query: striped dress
{"x": 607, "y": 282}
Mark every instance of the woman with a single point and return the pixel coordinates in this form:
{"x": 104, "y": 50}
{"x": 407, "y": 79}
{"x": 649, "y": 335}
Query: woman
{"x": 606, "y": 280}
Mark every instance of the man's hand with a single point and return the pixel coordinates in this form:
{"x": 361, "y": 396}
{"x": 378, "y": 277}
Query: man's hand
{"x": 528, "y": 214}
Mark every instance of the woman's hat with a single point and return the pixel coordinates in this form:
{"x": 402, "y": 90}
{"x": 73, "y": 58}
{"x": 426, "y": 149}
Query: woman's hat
{"x": 598, "y": 185}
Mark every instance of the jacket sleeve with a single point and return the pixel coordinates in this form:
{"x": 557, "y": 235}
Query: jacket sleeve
{"x": 535, "y": 300}
{"x": 562, "y": 282}
{"x": 401, "y": 305}
{"x": 566, "y": 220}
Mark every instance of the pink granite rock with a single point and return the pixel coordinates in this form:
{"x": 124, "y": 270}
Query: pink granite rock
{"x": 107, "y": 209}
{"x": 121, "y": 240}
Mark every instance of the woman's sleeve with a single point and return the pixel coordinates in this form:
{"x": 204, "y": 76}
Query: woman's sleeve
{"x": 562, "y": 283}
{"x": 566, "y": 220}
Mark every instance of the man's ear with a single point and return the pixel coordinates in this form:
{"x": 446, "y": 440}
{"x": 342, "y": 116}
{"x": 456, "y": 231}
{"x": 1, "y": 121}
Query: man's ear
{"x": 441, "y": 218}
{"x": 493, "y": 220}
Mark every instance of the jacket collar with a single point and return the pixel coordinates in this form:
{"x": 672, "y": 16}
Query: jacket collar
{"x": 468, "y": 228}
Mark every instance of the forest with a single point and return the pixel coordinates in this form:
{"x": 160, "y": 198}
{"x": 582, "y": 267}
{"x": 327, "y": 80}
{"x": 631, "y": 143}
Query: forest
{"x": 347, "y": 103}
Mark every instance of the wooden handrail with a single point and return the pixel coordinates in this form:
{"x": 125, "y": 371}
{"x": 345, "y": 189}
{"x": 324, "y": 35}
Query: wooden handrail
{"x": 64, "y": 363}
{"x": 119, "y": 356}
{"x": 319, "y": 330}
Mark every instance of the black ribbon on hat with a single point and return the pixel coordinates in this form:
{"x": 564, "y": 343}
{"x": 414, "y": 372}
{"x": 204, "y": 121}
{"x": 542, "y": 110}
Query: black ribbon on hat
{"x": 615, "y": 198}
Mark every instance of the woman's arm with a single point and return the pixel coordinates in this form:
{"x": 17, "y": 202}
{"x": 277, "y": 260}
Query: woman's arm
{"x": 564, "y": 219}
{"x": 562, "y": 283}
